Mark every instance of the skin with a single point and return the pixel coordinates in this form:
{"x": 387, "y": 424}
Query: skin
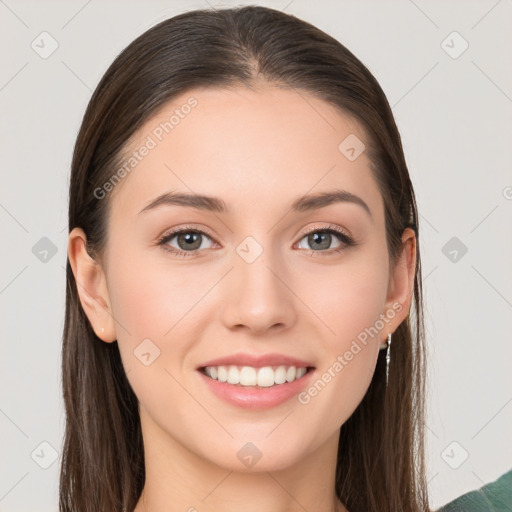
{"x": 258, "y": 151}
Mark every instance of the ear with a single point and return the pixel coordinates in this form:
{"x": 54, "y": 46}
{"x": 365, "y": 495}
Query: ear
{"x": 91, "y": 286}
{"x": 401, "y": 282}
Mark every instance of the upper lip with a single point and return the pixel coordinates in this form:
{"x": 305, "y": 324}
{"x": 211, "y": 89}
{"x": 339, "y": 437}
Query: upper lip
{"x": 257, "y": 361}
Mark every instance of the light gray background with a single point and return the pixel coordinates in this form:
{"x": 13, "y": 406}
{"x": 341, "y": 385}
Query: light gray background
{"x": 454, "y": 115}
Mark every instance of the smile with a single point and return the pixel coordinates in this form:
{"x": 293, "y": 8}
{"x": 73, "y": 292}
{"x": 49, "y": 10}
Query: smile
{"x": 246, "y": 376}
{"x": 256, "y": 388}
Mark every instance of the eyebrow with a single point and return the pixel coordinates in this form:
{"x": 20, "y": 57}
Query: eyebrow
{"x": 215, "y": 204}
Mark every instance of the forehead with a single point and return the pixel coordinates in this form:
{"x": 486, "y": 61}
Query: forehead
{"x": 245, "y": 146}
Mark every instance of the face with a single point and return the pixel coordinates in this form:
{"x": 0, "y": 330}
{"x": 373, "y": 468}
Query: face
{"x": 257, "y": 277}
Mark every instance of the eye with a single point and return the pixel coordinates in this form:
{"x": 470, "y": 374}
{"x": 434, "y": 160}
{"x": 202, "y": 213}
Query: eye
{"x": 189, "y": 241}
{"x": 322, "y": 238}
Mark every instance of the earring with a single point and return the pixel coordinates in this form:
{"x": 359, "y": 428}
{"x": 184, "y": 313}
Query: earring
{"x": 388, "y": 358}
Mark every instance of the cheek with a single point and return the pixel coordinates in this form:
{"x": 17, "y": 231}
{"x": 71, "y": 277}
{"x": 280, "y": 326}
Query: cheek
{"x": 349, "y": 302}
{"x": 152, "y": 303}
{"x": 347, "y": 297}
{"x": 151, "y": 295}
{"x": 362, "y": 299}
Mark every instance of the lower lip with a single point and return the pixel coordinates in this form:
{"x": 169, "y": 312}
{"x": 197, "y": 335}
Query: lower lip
{"x": 254, "y": 397}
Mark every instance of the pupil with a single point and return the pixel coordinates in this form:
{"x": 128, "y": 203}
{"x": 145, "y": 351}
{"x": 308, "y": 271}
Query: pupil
{"x": 319, "y": 238}
{"x": 190, "y": 239}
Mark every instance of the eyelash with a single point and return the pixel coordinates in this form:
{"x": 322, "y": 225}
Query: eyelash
{"x": 342, "y": 236}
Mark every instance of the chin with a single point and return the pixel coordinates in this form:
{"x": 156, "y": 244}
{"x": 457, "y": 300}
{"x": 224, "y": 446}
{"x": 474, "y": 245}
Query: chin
{"x": 245, "y": 456}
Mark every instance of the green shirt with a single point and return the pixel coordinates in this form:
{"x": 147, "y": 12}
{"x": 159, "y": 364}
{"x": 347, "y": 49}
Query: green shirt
{"x": 493, "y": 497}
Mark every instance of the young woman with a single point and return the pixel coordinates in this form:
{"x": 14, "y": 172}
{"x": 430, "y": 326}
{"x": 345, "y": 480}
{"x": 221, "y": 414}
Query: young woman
{"x": 244, "y": 324}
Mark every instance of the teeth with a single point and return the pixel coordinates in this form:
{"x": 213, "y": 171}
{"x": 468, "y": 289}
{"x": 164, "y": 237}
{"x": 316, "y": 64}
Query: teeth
{"x": 222, "y": 374}
{"x": 266, "y": 377}
{"x": 248, "y": 376}
{"x": 291, "y": 374}
{"x": 233, "y": 375}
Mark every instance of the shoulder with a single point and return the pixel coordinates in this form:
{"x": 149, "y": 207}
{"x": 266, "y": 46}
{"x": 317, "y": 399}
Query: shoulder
{"x": 492, "y": 497}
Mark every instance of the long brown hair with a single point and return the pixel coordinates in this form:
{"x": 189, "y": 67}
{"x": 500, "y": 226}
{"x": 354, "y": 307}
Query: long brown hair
{"x": 380, "y": 461}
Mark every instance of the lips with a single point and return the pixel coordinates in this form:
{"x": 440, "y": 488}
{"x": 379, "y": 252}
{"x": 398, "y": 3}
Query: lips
{"x": 251, "y": 397}
{"x": 257, "y": 361}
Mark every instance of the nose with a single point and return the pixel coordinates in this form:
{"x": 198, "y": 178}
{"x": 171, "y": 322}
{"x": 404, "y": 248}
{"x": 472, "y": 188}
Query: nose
{"x": 258, "y": 296}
